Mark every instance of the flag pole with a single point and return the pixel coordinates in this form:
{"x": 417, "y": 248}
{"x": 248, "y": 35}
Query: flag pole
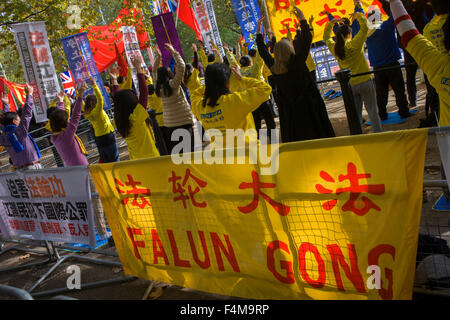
{"x": 178, "y": 9}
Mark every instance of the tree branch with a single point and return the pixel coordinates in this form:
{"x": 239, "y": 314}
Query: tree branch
{"x": 27, "y": 17}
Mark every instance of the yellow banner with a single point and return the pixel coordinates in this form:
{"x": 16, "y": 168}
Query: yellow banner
{"x": 281, "y": 14}
{"x": 340, "y": 219}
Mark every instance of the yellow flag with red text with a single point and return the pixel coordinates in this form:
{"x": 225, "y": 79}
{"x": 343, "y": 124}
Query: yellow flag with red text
{"x": 337, "y": 219}
{"x": 281, "y": 13}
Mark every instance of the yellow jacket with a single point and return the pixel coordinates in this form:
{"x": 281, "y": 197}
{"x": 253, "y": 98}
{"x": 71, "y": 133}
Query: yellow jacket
{"x": 155, "y": 103}
{"x": 234, "y": 110}
{"x": 433, "y": 31}
{"x": 128, "y": 84}
{"x": 140, "y": 139}
{"x": 98, "y": 117}
{"x": 436, "y": 65}
{"x": 355, "y": 60}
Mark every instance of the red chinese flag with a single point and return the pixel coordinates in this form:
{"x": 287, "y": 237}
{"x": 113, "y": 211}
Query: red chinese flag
{"x": 123, "y": 66}
{"x": 186, "y": 14}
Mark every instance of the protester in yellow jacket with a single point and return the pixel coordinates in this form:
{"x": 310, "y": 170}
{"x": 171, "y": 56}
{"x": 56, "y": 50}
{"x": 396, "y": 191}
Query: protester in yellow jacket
{"x": 219, "y": 108}
{"x": 131, "y": 116}
{"x": 349, "y": 54}
{"x": 103, "y": 129}
{"x": 432, "y": 60}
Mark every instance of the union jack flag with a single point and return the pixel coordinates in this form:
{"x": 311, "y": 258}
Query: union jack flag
{"x": 68, "y": 83}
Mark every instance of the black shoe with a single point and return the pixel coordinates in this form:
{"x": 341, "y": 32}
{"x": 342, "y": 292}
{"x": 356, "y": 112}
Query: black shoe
{"x": 406, "y": 115}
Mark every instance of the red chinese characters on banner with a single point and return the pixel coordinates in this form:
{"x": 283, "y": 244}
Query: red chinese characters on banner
{"x": 142, "y": 202}
{"x": 355, "y": 189}
{"x": 37, "y": 40}
{"x": 335, "y": 11}
{"x": 256, "y": 185}
{"x": 179, "y": 188}
{"x": 41, "y": 187}
{"x": 202, "y": 16}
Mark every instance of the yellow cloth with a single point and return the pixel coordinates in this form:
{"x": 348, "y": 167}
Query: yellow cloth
{"x": 355, "y": 60}
{"x": 128, "y": 84}
{"x": 254, "y": 71}
{"x": 234, "y": 111}
{"x": 155, "y": 103}
{"x": 140, "y": 141}
{"x": 436, "y": 66}
{"x": 193, "y": 82}
{"x": 98, "y": 117}
{"x": 433, "y": 32}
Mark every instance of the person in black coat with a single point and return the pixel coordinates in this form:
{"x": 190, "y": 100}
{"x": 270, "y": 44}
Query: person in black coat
{"x": 302, "y": 111}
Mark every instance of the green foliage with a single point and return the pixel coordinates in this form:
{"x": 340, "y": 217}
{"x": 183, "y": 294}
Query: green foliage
{"x": 93, "y": 12}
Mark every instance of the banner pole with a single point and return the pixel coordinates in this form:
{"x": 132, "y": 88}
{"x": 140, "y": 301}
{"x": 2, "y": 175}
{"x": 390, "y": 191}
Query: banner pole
{"x": 265, "y": 12}
{"x": 165, "y": 29}
{"x": 178, "y": 9}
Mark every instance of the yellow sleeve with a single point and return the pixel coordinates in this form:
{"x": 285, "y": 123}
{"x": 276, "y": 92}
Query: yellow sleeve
{"x": 194, "y": 81}
{"x": 327, "y": 37}
{"x": 242, "y": 103}
{"x": 203, "y": 57}
{"x": 98, "y": 94}
{"x": 232, "y": 59}
{"x": 67, "y": 104}
{"x": 357, "y": 42}
{"x": 428, "y": 58}
{"x": 129, "y": 82}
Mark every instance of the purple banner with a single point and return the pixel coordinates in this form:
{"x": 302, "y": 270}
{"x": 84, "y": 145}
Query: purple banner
{"x": 166, "y": 32}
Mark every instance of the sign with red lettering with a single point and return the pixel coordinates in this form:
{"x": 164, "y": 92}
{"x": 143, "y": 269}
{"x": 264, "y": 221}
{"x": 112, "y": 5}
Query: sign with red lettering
{"x": 52, "y": 205}
{"x": 37, "y": 63}
{"x": 339, "y": 220}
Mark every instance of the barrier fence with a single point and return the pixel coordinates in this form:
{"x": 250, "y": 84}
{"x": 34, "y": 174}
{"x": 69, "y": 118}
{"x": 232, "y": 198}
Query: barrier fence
{"x": 433, "y": 226}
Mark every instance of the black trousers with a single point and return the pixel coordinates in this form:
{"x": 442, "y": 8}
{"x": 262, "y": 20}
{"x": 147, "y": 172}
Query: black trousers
{"x": 431, "y": 101}
{"x": 383, "y": 79}
{"x": 264, "y": 112}
{"x": 411, "y": 72}
{"x": 168, "y": 136}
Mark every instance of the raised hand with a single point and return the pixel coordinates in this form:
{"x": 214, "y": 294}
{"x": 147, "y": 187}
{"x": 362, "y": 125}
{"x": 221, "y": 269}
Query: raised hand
{"x": 194, "y": 47}
{"x": 236, "y": 71}
{"x": 60, "y": 96}
{"x": 29, "y": 89}
{"x": 137, "y": 64}
{"x": 311, "y": 20}
{"x": 299, "y": 14}
{"x": 158, "y": 52}
{"x": 169, "y": 48}
{"x": 81, "y": 88}
{"x": 4, "y": 98}
{"x": 260, "y": 24}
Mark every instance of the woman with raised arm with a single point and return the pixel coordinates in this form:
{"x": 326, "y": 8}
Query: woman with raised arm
{"x": 349, "y": 53}
{"x": 177, "y": 111}
{"x": 302, "y": 111}
{"x": 219, "y": 108}
{"x": 22, "y": 149}
{"x": 64, "y": 137}
{"x": 130, "y": 117}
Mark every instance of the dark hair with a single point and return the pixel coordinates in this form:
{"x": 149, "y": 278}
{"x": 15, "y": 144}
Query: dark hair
{"x": 120, "y": 79}
{"x": 58, "y": 119}
{"x": 343, "y": 31}
{"x": 440, "y": 6}
{"x": 252, "y": 53}
{"x": 125, "y": 101}
{"x": 90, "y": 101}
{"x": 225, "y": 61}
{"x": 151, "y": 89}
{"x": 211, "y": 57}
{"x": 188, "y": 72}
{"x": 245, "y": 61}
{"x": 217, "y": 76}
{"x": 446, "y": 30}
{"x": 164, "y": 74}
{"x": 8, "y": 118}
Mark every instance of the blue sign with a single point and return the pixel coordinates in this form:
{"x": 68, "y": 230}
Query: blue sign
{"x": 247, "y": 14}
{"x": 82, "y": 64}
